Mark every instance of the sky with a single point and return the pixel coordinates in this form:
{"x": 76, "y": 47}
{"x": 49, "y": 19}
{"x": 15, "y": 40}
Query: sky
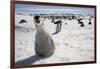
{"x": 46, "y": 9}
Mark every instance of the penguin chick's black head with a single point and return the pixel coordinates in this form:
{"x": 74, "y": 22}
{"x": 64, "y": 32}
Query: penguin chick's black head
{"x": 37, "y": 18}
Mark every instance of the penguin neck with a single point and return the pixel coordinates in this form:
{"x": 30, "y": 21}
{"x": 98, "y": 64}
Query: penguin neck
{"x": 40, "y": 29}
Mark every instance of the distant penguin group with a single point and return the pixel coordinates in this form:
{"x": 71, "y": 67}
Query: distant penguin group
{"x": 44, "y": 45}
{"x": 82, "y": 24}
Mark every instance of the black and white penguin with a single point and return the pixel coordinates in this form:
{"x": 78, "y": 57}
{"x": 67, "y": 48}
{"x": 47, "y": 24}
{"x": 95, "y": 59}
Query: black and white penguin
{"x": 90, "y": 21}
{"x": 23, "y": 21}
{"x": 44, "y": 45}
{"x": 80, "y": 22}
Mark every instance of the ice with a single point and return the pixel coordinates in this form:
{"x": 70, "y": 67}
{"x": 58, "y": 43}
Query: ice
{"x": 73, "y": 43}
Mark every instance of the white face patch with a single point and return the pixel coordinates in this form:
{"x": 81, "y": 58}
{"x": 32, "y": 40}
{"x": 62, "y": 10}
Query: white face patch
{"x": 39, "y": 22}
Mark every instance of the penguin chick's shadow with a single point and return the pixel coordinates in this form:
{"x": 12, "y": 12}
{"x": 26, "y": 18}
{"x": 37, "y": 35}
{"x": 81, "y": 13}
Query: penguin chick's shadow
{"x": 54, "y": 33}
{"x": 30, "y": 60}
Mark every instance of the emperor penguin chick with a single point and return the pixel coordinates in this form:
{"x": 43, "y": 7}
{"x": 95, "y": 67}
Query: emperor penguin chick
{"x": 44, "y": 45}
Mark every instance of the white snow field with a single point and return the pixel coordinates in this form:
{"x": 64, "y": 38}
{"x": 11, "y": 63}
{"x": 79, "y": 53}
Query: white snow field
{"x": 73, "y": 43}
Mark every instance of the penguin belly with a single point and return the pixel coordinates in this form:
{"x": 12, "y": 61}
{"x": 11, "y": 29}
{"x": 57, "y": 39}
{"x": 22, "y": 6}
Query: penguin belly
{"x": 44, "y": 45}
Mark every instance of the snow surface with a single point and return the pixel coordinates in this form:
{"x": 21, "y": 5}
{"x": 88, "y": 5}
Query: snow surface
{"x": 73, "y": 43}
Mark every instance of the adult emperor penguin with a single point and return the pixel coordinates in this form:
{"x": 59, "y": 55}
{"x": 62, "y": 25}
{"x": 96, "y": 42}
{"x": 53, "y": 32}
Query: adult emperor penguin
{"x": 44, "y": 45}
